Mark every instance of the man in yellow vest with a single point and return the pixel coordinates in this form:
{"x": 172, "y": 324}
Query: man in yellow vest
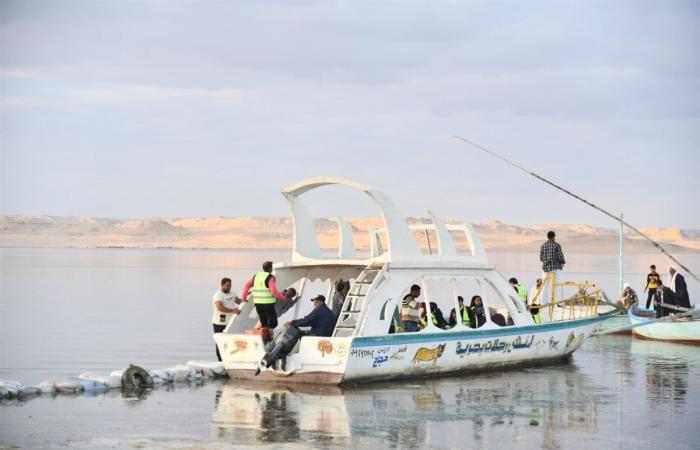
{"x": 519, "y": 289}
{"x": 265, "y": 295}
{"x": 463, "y": 312}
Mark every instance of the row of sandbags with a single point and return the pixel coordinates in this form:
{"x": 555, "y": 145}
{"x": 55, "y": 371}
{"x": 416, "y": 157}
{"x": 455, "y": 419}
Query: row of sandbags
{"x": 191, "y": 371}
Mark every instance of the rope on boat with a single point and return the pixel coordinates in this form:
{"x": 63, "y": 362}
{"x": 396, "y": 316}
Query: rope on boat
{"x": 566, "y": 191}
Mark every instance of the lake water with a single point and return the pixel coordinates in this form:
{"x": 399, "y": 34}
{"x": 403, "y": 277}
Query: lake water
{"x": 65, "y": 311}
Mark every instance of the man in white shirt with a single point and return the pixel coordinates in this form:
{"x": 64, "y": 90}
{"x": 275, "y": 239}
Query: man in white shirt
{"x": 224, "y": 304}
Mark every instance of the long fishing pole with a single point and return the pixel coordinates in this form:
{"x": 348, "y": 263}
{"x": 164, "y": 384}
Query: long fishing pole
{"x": 612, "y": 216}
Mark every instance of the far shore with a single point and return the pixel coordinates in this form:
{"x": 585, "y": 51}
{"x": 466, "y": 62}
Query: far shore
{"x": 275, "y": 233}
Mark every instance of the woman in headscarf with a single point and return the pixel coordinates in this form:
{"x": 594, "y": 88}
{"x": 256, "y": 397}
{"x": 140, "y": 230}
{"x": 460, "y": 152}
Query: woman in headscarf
{"x": 478, "y": 315}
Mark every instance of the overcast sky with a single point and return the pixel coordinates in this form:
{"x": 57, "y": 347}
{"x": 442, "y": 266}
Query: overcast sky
{"x": 135, "y": 109}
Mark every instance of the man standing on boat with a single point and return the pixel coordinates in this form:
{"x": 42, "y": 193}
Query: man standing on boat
{"x": 519, "y": 289}
{"x": 224, "y": 304}
{"x": 410, "y": 311}
{"x": 652, "y": 283}
{"x": 537, "y": 300}
{"x": 552, "y": 259}
{"x": 679, "y": 286}
{"x": 265, "y": 295}
{"x": 665, "y": 297}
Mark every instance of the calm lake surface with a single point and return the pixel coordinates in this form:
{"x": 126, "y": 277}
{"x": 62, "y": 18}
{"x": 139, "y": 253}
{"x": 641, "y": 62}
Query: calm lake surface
{"x": 65, "y": 311}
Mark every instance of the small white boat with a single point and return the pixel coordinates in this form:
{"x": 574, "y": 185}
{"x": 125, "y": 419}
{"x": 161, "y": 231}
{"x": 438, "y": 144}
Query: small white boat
{"x": 682, "y": 330}
{"x": 367, "y": 343}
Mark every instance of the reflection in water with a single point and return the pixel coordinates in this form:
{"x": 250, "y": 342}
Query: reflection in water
{"x": 450, "y": 412}
{"x": 597, "y": 400}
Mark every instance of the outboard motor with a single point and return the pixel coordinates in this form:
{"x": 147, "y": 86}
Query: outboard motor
{"x": 281, "y": 346}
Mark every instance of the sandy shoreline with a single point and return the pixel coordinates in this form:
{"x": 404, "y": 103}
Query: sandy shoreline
{"x": 275, "y": 233}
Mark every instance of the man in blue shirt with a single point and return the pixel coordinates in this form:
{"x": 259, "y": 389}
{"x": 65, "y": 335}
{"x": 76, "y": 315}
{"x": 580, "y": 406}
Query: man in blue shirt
{"x": 321, "y": 319}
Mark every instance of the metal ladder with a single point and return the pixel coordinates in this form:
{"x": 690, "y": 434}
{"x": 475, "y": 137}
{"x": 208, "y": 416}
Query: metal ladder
{"x": 355, "y": 301}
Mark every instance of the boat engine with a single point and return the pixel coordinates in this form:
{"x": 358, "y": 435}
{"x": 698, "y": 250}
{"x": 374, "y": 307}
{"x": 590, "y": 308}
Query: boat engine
{"x": 281, "y": 347}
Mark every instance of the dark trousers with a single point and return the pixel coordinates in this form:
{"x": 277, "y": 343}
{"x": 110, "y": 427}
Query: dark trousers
{"x": 218, "y": 329}
{"x": 267, "y": 315}
{"x": 652, "y": 294}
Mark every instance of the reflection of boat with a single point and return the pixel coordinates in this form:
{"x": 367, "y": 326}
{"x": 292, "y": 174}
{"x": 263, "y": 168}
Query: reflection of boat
{"x": 367, "y": 343}
{"x": 684, "y": 329}
{"x": 474, "y": 411}
{"x": 265, "y": 408}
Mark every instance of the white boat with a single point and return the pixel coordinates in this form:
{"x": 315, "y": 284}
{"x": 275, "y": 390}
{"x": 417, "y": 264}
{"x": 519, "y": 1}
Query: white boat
{"x": 367, "y": 344}
{"x": 682, "y": 330}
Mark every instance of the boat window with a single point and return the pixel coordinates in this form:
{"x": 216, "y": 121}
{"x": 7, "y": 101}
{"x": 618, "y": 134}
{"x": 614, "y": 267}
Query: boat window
{"x": 499, "y": 313}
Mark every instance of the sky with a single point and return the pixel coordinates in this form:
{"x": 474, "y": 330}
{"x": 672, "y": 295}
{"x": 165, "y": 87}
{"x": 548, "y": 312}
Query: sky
{"x": 179, "y": 109}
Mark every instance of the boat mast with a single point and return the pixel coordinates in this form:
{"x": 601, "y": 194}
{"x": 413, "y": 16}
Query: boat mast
{"x": 631, "y": 227}
{"x": 622, "y": 254}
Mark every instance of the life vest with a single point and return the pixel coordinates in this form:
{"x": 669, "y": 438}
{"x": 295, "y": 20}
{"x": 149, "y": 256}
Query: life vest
{"x": 465, "y": 315}
{"x": 261, "y": 293}
{"x": 423, "y": 322}
{"x": 522, "y": 292}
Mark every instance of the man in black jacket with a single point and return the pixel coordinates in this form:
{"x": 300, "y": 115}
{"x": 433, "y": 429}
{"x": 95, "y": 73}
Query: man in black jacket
{"x": 679, "y": 287}
{"x": 665, "y": 297}
{"x": 321, "y": 319}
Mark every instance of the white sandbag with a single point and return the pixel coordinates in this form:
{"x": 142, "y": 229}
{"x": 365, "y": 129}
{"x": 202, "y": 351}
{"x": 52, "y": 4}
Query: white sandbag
{"x": 12, "y": 387}
{"x": 69, "y": 386}
{"x": 161, "y": 376}
{"x": 28, "y": 391}
{"x": 195, "y": 375}
{"x": 209, "y": 369}
{"x": 92, "y": 385}
{"x": 47, "y": 387}
{"x": 4, "y": 393}
{"x": 117, "y": 373}
{"x": 110, "y": 381}
{"x": 179, "y": 373}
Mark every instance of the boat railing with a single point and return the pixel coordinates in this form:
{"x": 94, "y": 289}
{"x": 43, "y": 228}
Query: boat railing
{"x": 584, "y": 303}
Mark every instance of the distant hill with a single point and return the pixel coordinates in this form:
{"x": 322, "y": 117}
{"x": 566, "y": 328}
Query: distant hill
{"x": 276, "y": 233}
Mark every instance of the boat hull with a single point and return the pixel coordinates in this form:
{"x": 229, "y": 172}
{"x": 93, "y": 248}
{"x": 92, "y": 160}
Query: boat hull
{"x": 683, "y": 330}
{"x": 418, "y": 355}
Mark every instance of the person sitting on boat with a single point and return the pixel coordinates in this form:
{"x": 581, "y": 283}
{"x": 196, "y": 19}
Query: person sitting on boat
{"x": 437, "y": 317}
{"x": 651, "y": 285}
{"x": 628, "y": 299}
{"x": 679, "y": 286}
{"x": 477, "y": 312}
{"x": 519, "y": 289}
{"x": 265, "y": 295}
{"x": 410, "y": 312}
{"x": 320, "y": 319}
{"x": 464, "y": 314}
{"x": 341, "y": 291}
{"x": 665, "y": 297}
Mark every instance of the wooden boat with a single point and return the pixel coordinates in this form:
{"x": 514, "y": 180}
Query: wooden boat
{"x": 368, "y": 343}
{"x": 682, "y": 330}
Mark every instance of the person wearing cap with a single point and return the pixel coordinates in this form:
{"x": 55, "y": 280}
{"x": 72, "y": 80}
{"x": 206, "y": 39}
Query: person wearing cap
{"x": 320, "y": 319}
{"x": 628, "y": 299}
